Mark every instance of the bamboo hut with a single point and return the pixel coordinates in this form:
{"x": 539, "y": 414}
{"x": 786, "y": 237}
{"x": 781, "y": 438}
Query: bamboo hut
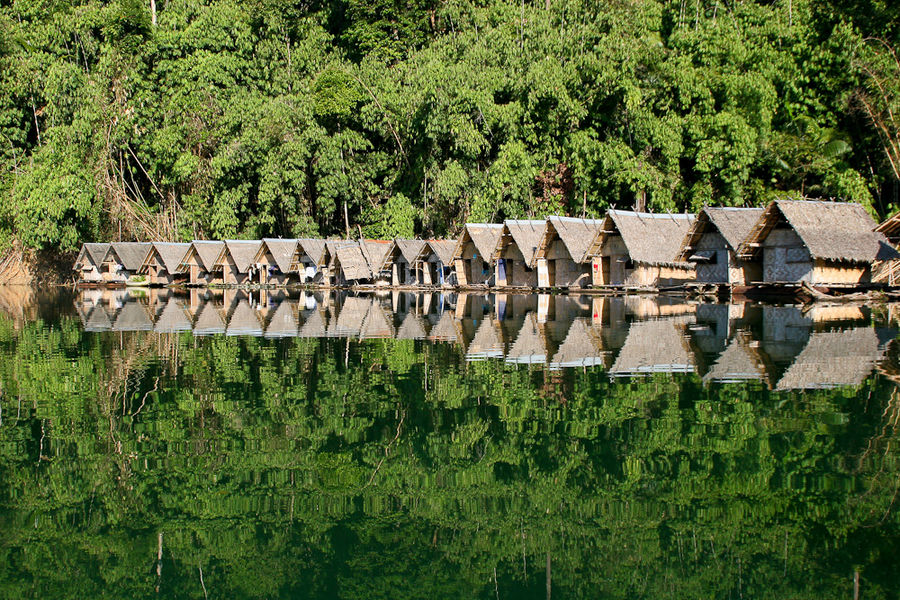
{"x": 562, "y": 257}
{"x": 351, "y": 316}
{"x": 712, "y": 243}
{"x": 350, "y": 265}
{"x": 515, "y": 254}
{"x": 97, "y": 319}
{"x": 473, "y": 252}
{"x": 132, "y": 316}
{"x": 376, "y": 324}
{"x": 817, "y": 242}
{"x": 412, "y": 328}
{"x": 274, "y": 259}
{"x": 487, "y": 342}
{"x": 162, "y": 262}
{"x": 739, "y": 362}
{"x": 635, "y": 249}
{"x": 310, "y": 260}
{"x": 124, "y": 259}
{"x": 90, "y": 263}
{"x": 434, "y": 264}
{"x": 331, "y": 274}
{"x": 377, "y": 254}
{"x": 402, "y": 260}
{"x": 236, "y": 261}
{"x": 200, "y": 262}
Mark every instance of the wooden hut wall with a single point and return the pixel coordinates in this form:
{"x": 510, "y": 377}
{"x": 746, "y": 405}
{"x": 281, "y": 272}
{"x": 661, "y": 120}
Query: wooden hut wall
{"x": 476, "y": 270}
{"x": 562, "y": 271}
{"x": 513, "y": 272}
{"x": 270, "y": 272}
{"x": 157, "y": 272}
{"x": 613, "y": 266}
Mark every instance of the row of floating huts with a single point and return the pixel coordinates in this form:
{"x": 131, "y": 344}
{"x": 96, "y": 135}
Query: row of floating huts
{"x": 820, "y": 243}
{"x": 785, "y": 347}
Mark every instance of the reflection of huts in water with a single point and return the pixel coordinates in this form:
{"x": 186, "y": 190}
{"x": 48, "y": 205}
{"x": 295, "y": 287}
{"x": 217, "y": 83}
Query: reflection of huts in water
{"x": 445, "y": 330}
{"x": 843, "y": 357}
{"x": 785, "y": 332}
{"x": 582, "y": 347}
{"x": 282, "y": 322}
{"x": 243, "y": 320}
{"x": 162, "y": 262}
{"x": 640, "y": 250}
{"x": 712, "y": 243}
{"x": 124, "y": 259}
{"x": 209, "y": 320}
{"x": 236, "y": 261}
{"x": 310, "y": 260}
{"x": 486, "y": 343}
{"x": 741, "y": 361}
{"x": 132, "y": 316}
{"x": 529, "y": 347}
{"x": 376, "y": 323}
{"x": 473, "y": 252}
{"x": 656, "y": 346}
{"x": 97, "y": 319}
{"x": 563, "y": 259}
{"x": 434, "y": 264}
{"x": 412, "y": 328}
{"x": 402, "y": 260}
{"x": 313, "y": 324}
{"x": 200, "y": 262}
{"x": 90, "y": 263}
{"x": 350, "y": 317}
{"x": 515, "y": 254}
{"x": 816, "y": 242}
{"x": 173, "y": 318}
{"x": 645, "y": 307}
{"x": 273, "y": 259}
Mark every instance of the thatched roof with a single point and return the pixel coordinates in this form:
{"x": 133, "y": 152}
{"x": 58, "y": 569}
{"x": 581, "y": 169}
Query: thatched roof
{"x": 443, "y": 249}
{"x": 207, "y": 251}
{"x": 834, "y": 359}
{"x": 281, "y": 250}
{"x": 485, "y": 236}
{"x": 735, "y": 224}
{"x": 655, "y": 346}
{"x": 653, "y": 239}
{"x": 835, "y": 231}
{"x": 93, "y": 253}
{"x": 486, "y": 343}
{"x": 353, "y": 263}
{"x": 244, "y": 320}
{"x": 172, "y": 319}
{"x": 170, "y": 255}
{"x": 412, "y": 328}
{"x": 575, "y": 234}
{"x": 314, "y": 249}
{"x": 133, "y": 316}
{"x": 377, "y": 253}
{"x": 130, "y": 255}
{"x": 409, "y": 249}
{"x": 526, "y": 235}
{"x": 282, "y": 322}
{"x": 242, "y": 252}
{"x": 581, "y": 348}
{"x": 530, "y": 346}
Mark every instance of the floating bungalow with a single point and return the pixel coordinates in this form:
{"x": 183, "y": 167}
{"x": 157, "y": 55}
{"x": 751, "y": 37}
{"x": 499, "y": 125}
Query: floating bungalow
{"x": 473, "y": 252}
{"x": 124, "y": 259}
{"x": 562, "y": 256}
{"x": 200, "y": 262}
{"x": 359, "y": 263}
{"x": 817, "y": 242}
{"x": 712, "y": 242}
{"x": 377, "y": 254}
{"x": 236, "y": 261}
{"x": 434, "y": 263}
{"x": 274, "y": 260}
{"x": 516, "y": 252}
{"x": 402, "y": 260}
{"x": 162, "y": 262}
{"x": 309, "y": 260}
{"x": 640, "y": 250}
{"x": 90, "y": 263}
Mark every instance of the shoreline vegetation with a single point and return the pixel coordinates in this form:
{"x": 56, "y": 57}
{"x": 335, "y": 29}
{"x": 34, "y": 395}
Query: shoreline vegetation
{"x": 346, "y": 118}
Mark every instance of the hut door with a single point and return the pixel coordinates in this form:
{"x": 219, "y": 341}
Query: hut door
{"x": 501, "y": 271}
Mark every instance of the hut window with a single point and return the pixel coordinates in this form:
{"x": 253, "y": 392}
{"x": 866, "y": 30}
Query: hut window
{"x": 795, "y": 255}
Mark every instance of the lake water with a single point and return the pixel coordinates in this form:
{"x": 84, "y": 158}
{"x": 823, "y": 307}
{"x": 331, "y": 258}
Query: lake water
{"x": 257, "y": 445}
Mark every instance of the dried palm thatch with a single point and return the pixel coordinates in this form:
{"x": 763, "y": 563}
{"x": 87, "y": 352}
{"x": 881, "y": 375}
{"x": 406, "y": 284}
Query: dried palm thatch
{"x": 377, "y": 254}
{"x": 376, "y": 324}
{"x": 484, "y": 236}
{"x": 412, "y": 328}
{"x": 734, "y": 224}
{"x": 209, "y": 320}
{"x": 833, "y": 231}
{"x": 445, "y": 329}
{"x": 91, "y": 255}
{"x": 352, "y": 262}
{"x": 891, "y": 229}
{"x": 525, "y": 234}
{"x": 408, "y": 249}
{"x": 314, "y": 249}
{"x": 443, "y": 249}
{"x": 282, "y": 252}
{"x": 282, "y": 322}
{"x": 133, "y": 316}
{"x": 170, "y": 255}
{"x": 205, "y": 251}
{"x": 130, "y": 255}
{"x": 486, "y": 343}
{"x": 575, "y": 234}
{"x": 97, "y": 319}
{"x": 655, "y": 346}
{"x": 737, "y": 363}
{"x": 836, "y": 358}
{"x": 242, "y": 252}
{"x": 652, "y": 239}
{"x": 351, "y": 316}
{"x": 313, "y": 326}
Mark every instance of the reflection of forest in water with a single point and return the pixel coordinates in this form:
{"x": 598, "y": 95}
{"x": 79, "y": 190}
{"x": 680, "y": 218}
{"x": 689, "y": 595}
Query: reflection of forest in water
{"x": 753, "y": 455}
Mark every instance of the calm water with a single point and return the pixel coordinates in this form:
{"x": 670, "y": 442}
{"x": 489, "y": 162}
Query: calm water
{"x": 236, "y": 445}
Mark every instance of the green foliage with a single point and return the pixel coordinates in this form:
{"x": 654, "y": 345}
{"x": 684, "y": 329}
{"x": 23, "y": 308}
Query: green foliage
{"x": 271, "y": 118}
